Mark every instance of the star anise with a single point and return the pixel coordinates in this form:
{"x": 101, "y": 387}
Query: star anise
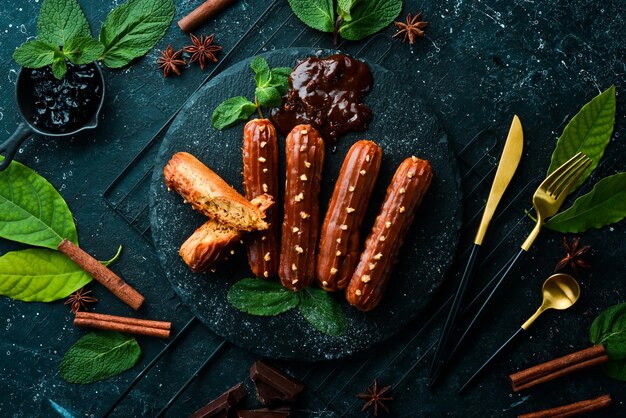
{"x": 202, "y": 49}
{"x": 80, "y": 299}
{"x": 412, "y": 28}
{"x": 574, "y": 255}
{"x": 374, "y": 397}
{"x": 171, "y": 61}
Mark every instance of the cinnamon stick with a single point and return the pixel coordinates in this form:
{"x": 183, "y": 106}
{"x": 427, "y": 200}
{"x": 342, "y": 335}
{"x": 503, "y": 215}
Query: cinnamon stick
{"x": 558, "y": 367}
{"x": 573, "y": 409}
{"x": 102, "y": 275}
{"x": 201, "y": 14}
{"x": 150, "y": 328}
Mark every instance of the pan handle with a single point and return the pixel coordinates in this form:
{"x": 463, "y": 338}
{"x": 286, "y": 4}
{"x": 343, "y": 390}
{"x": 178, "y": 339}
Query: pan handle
{"x": 10, "y": 146}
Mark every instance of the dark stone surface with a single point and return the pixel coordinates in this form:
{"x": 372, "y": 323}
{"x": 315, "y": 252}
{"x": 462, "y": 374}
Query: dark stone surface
{"x": 482, "y": 62}
{"x": 426, "y": 256}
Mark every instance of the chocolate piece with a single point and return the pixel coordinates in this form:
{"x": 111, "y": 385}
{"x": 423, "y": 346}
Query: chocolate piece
{"x": 221, "y": 406}
{"x": 327, "y": 93}
{"x": 272, "y": 385}
{"x": 264, "y": 413}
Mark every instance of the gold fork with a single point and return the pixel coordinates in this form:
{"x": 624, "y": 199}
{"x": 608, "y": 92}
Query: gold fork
{"x": 547, "y": 200}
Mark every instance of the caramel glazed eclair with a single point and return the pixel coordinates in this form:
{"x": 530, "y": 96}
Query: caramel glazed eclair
{"x": 260, "y": 174}
{"x": 340, "y": 234}
{"x": 304, "y": 160}
{"x": 404, "y": 194}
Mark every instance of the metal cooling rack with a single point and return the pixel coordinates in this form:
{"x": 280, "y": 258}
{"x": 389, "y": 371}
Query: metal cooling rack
{"x": 397, "y": 360}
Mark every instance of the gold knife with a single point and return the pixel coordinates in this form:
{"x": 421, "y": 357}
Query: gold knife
{"x": 507, "y": 166}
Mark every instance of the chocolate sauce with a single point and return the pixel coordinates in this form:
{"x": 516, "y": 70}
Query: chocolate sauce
{"x": 327, "y": 93}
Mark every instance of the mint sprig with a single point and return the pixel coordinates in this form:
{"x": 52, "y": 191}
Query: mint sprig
{"x": 353, "y": 20}
{"x": 266, "y": 298}
{"x": 128, "y": 32}
{"x": 271, "y": 85}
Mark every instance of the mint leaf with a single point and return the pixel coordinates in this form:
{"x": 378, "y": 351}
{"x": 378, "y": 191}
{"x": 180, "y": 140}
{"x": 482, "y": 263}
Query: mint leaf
{"x": 231, "y": 111}
{"x": 83, "y": 50}
{"x": 132, "y": 29}
{"x": 319, "y": 308}
{"x": 318, "y": 14}
{"x": 61, "y": 20}
{"x": 268, "y": 96}
{"x": 98, "y": 356}
{"x": 281, "y": 72}
{"x": 31, "y": 210}
{"x": 368, "y": 17}
{"x": 604, "y": 205}
{"x": 59, "y": 68}
{"x": 261, "y": 297}
{"x": 262, "y": 73}
{"x": 280, "y": 79}
{"x": 589, "y": 132}
{"x": 344, "y": 7}
{"x": 35, "y": 54}
{"x": 39, "y": 275}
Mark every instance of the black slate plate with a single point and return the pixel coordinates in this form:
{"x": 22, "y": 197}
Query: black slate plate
{"x": 402, "y": 126}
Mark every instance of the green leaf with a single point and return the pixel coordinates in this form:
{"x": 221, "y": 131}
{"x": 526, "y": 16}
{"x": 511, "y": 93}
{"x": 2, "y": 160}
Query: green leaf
{"x": 603, "y": 205}
{"x": 368, "y": 17}
{"x": 280, "y": 79}
{"x": 132, "y": 29}
{"x": 31, "y": 210}
{"x": 344, "y": 7}
{"x": 268, "y": 96}
{"x": 39, "y": 275}
{"x": 231, "y": 111}
{"x": 61, "y": 20}
{"x": 615, "y": 369}
{"x": 281, "y": 71}
{"x": 262, "y": 73}
{"x": 588, "y": 132}
{"x": 319, "y": 308}
{"x": 609, "y": 329}
{"x": 59, "y": 68}
{"x": 98, "y": 356}
{"x": 83, "y": 50}
{"x": 261, "y": 297}
{"x": 35, "y": 54}
{"x": 318, "y": 14}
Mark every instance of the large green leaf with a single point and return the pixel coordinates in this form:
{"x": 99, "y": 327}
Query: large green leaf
{"x": 35, "y": 54}
{"x": 132, "y": 29}
{"x": 61, "y": 20}
{"x": 98, "y": 356}
{"x": 319, "y": 308}
{"x": 368, "y": 17}
{"x": 604, "y": 205}
{"x": 261, "y": 297}
{"x": 609, "y": 329}
{"x": 39, "y": 275}
{"x": 31, "y": 210}
{"x": 318, "y": 14}
{"x": 588, "y": 132}
{"x": 615, "y": 369}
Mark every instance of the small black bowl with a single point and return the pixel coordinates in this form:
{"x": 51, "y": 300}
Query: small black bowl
{"x": 27, "y": 127}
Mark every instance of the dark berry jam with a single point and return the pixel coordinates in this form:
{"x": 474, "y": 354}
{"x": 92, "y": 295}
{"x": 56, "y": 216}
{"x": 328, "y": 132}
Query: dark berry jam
{"x": 61, "y": 106}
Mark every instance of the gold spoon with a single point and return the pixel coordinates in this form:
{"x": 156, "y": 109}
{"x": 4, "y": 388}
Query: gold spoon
{"x": 560, "y": 291}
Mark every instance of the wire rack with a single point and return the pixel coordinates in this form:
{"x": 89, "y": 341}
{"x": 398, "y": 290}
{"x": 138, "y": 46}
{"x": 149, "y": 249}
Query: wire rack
{"x": 396, "y": 361}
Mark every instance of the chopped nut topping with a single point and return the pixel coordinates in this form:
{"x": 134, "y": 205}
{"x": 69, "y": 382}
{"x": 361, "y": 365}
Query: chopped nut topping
{"x": 365, "y": 278}
{"x": 362, "y": 172}
{"x": 267, "y": 257}
{"x": 367, "y": 158}
{"x": 169, "y": 190}
{"x": 372, "y": 266}
{"x": 382, "y": 238}
{"x": 324, "y": 283}
{"x": 299, "y": 249}
{"x": 307, "y": 164}
{"x": 232, "y": 252}
{"x": 213, "y": 270}
{"x": 185, "y": 201}
{"x": 350, "y": 210}
{"x": 266, "y": 274}
{"x": 294, "y": 267}
{"x": 261, "y": 128}
{"x": 299, "y": 197}
{"x": 338, "y": 253}
{"x": 410, "y": 174}
{"x": 344, "y": 227}
{"x": 333, "y": 271}
{"x": 304, "y": 215}
{"x": 265, "y": 170}
{"x": 263, "y": 144}
{"x": 402, "y": 209}
{"x": 303, "y": 177}
{"x": 388, "y": 224}
{"x": 294, "y": 281}
{"x": 263, "y": 238}
{"x": 302, "y": 148}
{"x": 402, "y": 190}
{"x": 414, "y": 158}
{"x": 357, "y": 292}
{"x": 265, "y": 188}
{"x": 262, "y": 159}
{"x": 351, "y": 188}
{"x": 338, "y": 240}
{"x": 303, "y": 132}
{"x": 378, "y": 256}
{"x": 295, "y": 229}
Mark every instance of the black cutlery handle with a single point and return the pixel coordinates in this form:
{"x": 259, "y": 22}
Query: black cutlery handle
{"x": 490, "y": 359}
{"x": 452, "y": 315}
{"x": 498, "y": 279}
